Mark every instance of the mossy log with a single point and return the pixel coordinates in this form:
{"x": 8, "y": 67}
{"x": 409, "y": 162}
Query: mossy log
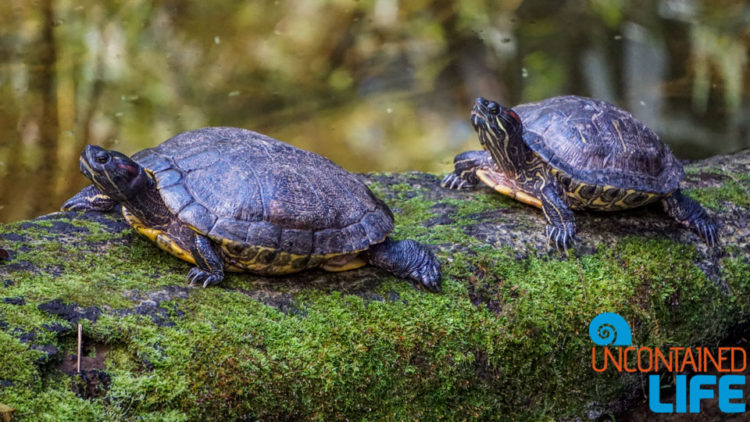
{"x": 506, "y": 339}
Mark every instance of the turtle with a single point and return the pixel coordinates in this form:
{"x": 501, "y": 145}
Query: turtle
{"x": 570, "y": 153}
{"x": 230, "y": 199}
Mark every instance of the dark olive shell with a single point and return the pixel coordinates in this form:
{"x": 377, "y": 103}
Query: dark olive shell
{"x": 240, "y": 186}
{"x": 598, "y": 143}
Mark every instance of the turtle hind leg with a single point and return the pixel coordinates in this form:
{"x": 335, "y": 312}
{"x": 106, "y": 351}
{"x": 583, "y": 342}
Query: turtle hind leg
{"x": 465, "y": 165}
{"x": 89, "y": 198}
{"x": 209, "y": 268}
{"x": 690, "y": 213}
{"x": 561, "y": 224}
{"x": 406, "y": 259}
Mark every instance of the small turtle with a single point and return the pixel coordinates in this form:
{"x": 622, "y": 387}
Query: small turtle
{"x": 572, "y": 152}
{"x": 232, "y": 199}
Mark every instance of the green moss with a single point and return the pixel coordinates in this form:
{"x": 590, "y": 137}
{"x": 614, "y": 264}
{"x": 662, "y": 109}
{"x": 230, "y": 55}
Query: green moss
{"x": 734, "y": 189}
{"x": 17, "y": 367}
{"x": 57, "y": 403}
{"x": 412, "y": 208}
{"x": 736, "y": 272}
{"x": 85, "y": 275}
{"x": 543, "y": 298}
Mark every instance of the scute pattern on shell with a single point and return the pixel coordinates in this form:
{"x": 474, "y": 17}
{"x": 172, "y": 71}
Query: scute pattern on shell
{"x": 597, "y": 143}
{"x": 242, "y": 186}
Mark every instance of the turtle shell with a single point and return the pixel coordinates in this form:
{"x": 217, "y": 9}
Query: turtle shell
{"x": 248, "y": 190}
{"x": 598, "y": 143}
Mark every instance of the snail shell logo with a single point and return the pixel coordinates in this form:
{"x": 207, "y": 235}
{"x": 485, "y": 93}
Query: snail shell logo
{"x": 610, "y": 328}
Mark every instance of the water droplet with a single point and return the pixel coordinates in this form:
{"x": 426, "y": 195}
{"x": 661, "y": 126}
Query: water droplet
{"x": 234, "y": 93}
{"x": 524, "y": 72}
{"x": 217, "y": 40}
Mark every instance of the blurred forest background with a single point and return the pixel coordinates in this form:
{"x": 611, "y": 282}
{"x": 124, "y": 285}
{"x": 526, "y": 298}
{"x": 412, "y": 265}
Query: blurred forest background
{"x": 382, "y": 85}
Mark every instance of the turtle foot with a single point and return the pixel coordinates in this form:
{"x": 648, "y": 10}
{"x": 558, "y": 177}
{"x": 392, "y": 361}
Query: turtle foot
{"x": 563, "y": 236}
{"x": 197, "y": 277}
{"x": 426, "y": 269}
{"x": 561, "y": 226}
{"x": 706, "y": 229}
{"x": 210, "y": 268}
{"x": 453, "y": 181}
{"x": 465, "y": 166}
{"x": 689, "y": 212}
{"x": 89, "y": 198}
{"x": 407, "y": 259}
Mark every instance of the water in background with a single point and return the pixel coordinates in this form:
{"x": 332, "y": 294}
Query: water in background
{"x": 375, "y": 85}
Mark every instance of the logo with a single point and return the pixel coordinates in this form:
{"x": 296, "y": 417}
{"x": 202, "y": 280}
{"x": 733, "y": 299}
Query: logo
{"x": 604, "y": 330}
{"x": 694, "y": 368}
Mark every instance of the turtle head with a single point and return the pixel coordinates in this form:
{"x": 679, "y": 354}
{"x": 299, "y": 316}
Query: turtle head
{"x": 115, "y": 174}
{"x": 490, "y": 119}
{"x": 501, "y": 133}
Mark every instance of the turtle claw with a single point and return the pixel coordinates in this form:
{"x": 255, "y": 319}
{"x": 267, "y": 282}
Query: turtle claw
{"x": 455, "y": 182}
{"x": 211, "y": 281}
{"x": 193, "y": 274}
{"x": 707, "y": 230}
{"x": 89, "y": 198}
{"x": 689, "y": 212}
{"x": 424, "y": 267}
{"x": 406, "y": 259}
{"x": 428, "y": 274}
{"x": 465, "y": 166}
{"x": 197, "y": 276}
{"x": 561, "y": 237}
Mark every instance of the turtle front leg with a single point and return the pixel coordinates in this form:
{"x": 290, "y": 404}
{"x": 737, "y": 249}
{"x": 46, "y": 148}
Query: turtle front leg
{"x": 561, "y": 225}
{"x": 210, "y": 267}
{"x": 690, "y": 213}
{"x": 89, "y": 198}
{"x": 465, "y": 166}
{"x": 406, "y": 259}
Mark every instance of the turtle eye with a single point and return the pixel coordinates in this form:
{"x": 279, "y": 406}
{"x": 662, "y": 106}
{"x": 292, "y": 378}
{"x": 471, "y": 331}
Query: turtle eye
{"x": 493, "y": 108}
{"x": 101, "y": 157}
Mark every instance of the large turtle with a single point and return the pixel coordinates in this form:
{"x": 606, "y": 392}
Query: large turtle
{"x": 573, "y": 152}
{"x": 232, "y": 199}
